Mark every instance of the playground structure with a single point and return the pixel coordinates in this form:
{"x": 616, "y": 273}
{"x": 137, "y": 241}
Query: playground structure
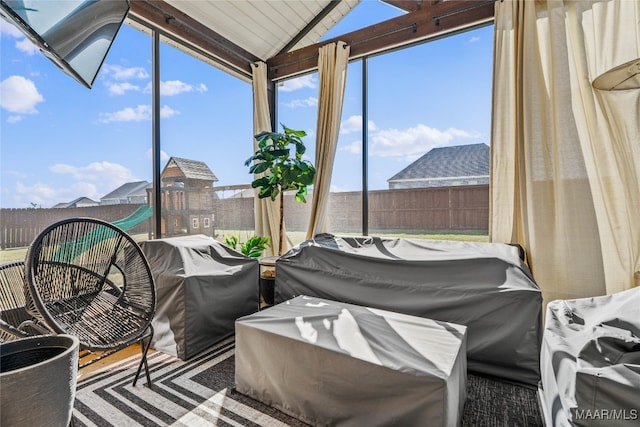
{"x": 137, "y": 217}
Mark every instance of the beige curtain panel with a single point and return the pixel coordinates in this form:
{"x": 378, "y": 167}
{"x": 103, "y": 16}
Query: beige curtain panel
{"x": 332, "y": 74}
{"x": 266, "y": 211}
{"x": 565, "y": 156}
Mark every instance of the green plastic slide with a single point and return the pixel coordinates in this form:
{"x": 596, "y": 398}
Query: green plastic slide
{"x": 139, "y": 215}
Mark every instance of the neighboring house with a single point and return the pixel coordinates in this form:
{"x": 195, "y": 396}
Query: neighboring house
{"x": 187, "y": 197}
{"x": 126, "y": 194}
{"x": 139, "y": 196}
{"x": 80, "y": 202}
{"x": 445, "y": 167}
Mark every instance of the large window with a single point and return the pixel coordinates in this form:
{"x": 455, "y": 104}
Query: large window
{"x": 68, "y": 147}
{"x": 418, "y": 99}
{"x": 298, "y": 109}
{"x": 206, "y": 135}
{"x": 67, "y": 150}
{"x": 429, "y": 124}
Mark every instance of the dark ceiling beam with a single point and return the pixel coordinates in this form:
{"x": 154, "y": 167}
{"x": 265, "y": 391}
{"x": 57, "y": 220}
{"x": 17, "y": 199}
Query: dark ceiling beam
{"x": 176, "y": 25}
{"x": 310, "y": 26}
{"x": 432, "y": 21}
{"x": 406, "y": 5}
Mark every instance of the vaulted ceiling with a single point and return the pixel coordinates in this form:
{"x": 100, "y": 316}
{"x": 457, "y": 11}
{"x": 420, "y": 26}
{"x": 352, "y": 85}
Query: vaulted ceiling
{"x": 286, "y": 34}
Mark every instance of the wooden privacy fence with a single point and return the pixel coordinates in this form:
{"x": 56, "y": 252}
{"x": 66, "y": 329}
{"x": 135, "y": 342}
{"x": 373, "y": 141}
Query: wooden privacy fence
{"x": 460, "y": 208}
{"x": 457, "y": 208}
{"x": 18, "y": 227}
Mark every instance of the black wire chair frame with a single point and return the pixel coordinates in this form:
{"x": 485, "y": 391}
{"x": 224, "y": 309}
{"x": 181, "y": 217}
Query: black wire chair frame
{"x": 15, "y": 321}
{"x": 88, "y": 278}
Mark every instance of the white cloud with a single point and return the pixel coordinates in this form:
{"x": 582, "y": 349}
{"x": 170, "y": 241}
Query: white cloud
{"x": 15, "y": 173}
{"x": 43, "y": 195}
{"x": 14, "y": 119}
{"x": 306, "y": 81}
{"x": 106, "y": 174}
{"x": 176, "y": 87}
{"x": 474, "y": 39}
{"x": 308, "y": 102}
{"x": 9, "y": 29}
{"x": 93, "y": 180}
{"x": 38, "y": 193}
{"x": 85, "y": 189}
{"x": 354, "y": 147}
{"x": 405, "y": 144}
{"x": 136, "y": 114}
{"x": 122, "y": 88}
{"x": 354, "y": 124}
{"x": 25, "y": 45}
{"x": 168, "y": 112}
{"x": 413, "y": 142}
{"x": 19, "y": 95}
{"x": 119, "y": 72}
{"x": 129, "y": 114}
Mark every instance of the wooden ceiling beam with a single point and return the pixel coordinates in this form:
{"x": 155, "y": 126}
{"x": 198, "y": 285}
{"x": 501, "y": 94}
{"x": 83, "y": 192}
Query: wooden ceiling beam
{"x": 175, "y": 24}
{"x": 406, "y": 5}
{"x": 431, "y": 21}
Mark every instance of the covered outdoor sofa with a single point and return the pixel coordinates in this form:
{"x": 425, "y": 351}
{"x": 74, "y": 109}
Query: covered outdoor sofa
{"x": 484, "y": 286}
{"x": 590, "y": 361}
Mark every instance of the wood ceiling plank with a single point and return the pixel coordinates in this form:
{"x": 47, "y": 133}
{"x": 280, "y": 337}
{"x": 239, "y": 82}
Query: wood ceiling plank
{"x": 175, "y": 23}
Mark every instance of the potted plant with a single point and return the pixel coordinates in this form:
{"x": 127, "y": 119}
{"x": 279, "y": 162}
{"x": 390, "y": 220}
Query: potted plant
{"x": 283, "y": 171}
{"x": 253, "y": 247}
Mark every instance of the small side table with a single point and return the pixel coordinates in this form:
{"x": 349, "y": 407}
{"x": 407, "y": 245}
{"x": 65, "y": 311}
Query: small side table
{"x": 267, "y": 281}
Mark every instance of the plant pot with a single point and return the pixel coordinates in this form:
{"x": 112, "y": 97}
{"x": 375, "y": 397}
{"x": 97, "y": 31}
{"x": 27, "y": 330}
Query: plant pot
{"x": 267, "y": 289}
{"x": 38, "y": 380}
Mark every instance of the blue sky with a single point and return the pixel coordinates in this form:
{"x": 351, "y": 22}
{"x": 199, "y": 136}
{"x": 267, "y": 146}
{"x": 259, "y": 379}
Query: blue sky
{"x": 60, "y": 141}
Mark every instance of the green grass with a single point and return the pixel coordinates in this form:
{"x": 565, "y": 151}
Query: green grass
{"x": 18, "y": 254}
{"x": 9, "y": 255}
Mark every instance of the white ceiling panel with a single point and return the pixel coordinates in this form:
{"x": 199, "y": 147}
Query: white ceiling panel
{"x": 264, "y": 27}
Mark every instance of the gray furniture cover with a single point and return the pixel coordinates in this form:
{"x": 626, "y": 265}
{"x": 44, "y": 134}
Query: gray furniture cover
{"x": 332, "y": 363}
{"x": 202, "y": 287}
{"x": 485, "y": 286}
{"x": 590, "y": 361}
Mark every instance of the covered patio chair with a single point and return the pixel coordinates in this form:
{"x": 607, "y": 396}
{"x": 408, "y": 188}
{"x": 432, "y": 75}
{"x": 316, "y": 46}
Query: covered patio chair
{"x": 15, "y": 321}
{"x": 88, "y": 278}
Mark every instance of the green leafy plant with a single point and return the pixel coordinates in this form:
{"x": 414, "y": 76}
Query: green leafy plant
{"x": 231, "y": 241}
{"x": 283, "y": 170}
{"x": 253, "y": 247}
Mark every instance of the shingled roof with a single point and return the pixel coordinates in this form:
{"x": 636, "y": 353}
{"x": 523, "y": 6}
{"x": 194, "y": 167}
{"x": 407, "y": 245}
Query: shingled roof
{"x": 80, "y": 202}
{"x": 446, "y": 163}
{"x": 191, "y": 169}
{"x": 120, "y": 194}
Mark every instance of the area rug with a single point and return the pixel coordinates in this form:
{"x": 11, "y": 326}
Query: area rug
{"x": 200, "y": 392}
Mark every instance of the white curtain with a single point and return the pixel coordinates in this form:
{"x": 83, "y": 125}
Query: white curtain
{"x": 332, "y": 75}
{"x": 267, "y": 212}
{"x": 564, "y": 162}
